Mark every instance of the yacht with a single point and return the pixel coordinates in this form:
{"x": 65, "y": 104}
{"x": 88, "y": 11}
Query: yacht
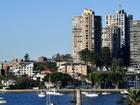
{"x": 53, "y": 92}
{"x": 41, "y": 94}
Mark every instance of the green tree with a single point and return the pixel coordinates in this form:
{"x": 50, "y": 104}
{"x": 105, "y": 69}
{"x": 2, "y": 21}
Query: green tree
{"x": 105, "y": 56}
{"x": 57, "y": 58}
{"x": 39, "y": 66}
{"x": 42, "y": 66}
{"x": 87, "y": 56}
{"x": 111, "y": 79}
{"x": 23, "y": 82}
{"x": 26, "y": 57}
{"x": 62, "y": 58}
{"x": 51, "y": 65}
{"x": 83, "y": 55}
{"x": 133, "y": 97}
{"x": 59, "y": 77}
{"x": 96, "y": 77}
{"x": 102, "y": 58}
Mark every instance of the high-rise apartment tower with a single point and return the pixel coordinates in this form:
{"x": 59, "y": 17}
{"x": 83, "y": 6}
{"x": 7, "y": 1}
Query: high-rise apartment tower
{"x": 86, "y": 30}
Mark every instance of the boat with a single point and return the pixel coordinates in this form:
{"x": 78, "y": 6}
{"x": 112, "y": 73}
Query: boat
{"x": 53, "y": 92}
{"x": 41, "y": 94}
{"x": 89, "y": 94}
{"x": 124, "y": 92}
{"x": 105, "y": 93}
{"x": 83, "y": 93}
{"x": 2, "y": 101}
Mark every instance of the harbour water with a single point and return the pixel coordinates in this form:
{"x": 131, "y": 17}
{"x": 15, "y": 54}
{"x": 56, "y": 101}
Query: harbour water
{"x": 33, "y": 99}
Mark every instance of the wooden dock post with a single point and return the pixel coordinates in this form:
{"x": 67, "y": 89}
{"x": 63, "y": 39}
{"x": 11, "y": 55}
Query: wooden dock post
{"x": 78, "y": 98}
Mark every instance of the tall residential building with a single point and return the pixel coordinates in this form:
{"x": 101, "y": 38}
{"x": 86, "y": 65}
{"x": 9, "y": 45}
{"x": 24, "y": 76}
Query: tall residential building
{"x": 135, "y": 44}
{"x": 115, "y": 31}
{"x": 111, "y": 39}
{"x": 86, "y": 32}
{"x": 110, "y": 20}
{"x": 120, "y": 20}
{"x": 77, "y": 36}
{"x": 106, "y": 37}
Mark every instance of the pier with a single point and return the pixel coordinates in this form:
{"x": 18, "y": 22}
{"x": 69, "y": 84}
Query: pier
{"x": 63, "y": 90}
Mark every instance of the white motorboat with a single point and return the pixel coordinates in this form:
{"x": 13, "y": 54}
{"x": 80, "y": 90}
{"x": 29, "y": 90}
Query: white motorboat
{"x": 2, "y": 101}
{"x": 105, "y": 93}
{"x": 124, "y": 92}
{"x": 89, "y": 94}
{"x": 83, "y": 93}
{"x": 41, "y": 94}
{"x": 53, "y": 92}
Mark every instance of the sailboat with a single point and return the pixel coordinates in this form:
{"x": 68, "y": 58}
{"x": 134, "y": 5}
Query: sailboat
{"x": 90, "y": 94}
{"x": 52, "y": 91}
{"x": 48, "y": 95}
{"x": 41, "y": 94}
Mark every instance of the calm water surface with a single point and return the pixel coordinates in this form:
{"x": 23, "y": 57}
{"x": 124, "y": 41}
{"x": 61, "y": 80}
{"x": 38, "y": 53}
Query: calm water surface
{"x": 33, "y": 99}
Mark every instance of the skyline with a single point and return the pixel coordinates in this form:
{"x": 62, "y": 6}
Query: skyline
{"x": 26, "y": 27}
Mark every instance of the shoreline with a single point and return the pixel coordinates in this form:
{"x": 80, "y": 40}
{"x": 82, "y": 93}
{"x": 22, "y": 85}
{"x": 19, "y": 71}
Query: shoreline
{"x": 61, "y": 90}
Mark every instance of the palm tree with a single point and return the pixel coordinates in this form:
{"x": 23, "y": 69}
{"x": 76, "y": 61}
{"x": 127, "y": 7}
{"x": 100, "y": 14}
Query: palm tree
{"x": 133, "y": 97}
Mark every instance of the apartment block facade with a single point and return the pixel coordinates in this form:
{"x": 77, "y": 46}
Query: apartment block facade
{"x": 86, "y": 30}
{"x": 121, "y": 21}
{"x": 135, "y": 44}
{"x": 22, "y": 68}
{"x": 111, "y": 39}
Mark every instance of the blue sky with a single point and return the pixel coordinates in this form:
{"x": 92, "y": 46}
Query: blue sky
{"x": 43, "y": 27}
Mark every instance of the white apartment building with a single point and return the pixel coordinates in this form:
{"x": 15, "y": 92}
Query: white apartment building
{"x": 22, "y": 68}
{"x": 106, "y": 37}
{"x": 119, "y": 20}
{"x": 110, "y": 20}
{"x": 77, "y": 36}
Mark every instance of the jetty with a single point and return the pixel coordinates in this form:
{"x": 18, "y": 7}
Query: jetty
{"x": 63, "y": 90}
